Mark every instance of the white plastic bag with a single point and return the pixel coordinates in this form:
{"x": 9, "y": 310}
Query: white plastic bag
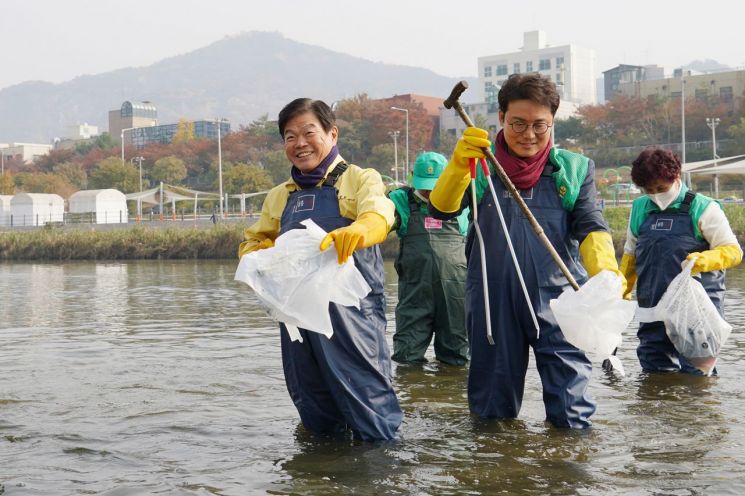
{"x": 692, "y": 322}
{"x": 295, "y": 281}
{"x": 593, "y": 318}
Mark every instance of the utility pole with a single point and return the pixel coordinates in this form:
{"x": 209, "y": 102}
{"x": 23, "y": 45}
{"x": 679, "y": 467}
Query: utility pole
{"x": 713, "y": 122}
{"x": 683, "y": 123}
{"x": 406, "y": 166}
{"x": 219, "y": 163}
{"x": 394, "y": 135}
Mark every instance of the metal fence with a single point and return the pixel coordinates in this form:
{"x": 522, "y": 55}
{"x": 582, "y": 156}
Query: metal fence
{"x": 123, "y": 219}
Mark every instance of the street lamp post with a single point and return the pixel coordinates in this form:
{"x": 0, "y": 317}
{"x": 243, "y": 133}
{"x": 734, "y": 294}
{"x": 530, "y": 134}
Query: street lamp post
{"x": 139, "y": 200}
{"x": 219, "y": 162}
{"x": 683, "y": 123}
{"x": 406, "y": 166}
{"x": 713, "y": 122}
{"x": 139, "y": 161}
{"x": 122, "y": 138}
{"x": 394, "y": 135}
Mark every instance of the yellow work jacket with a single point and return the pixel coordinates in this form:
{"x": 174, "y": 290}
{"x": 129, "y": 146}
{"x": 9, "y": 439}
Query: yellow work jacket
{"x": 359, "y": 191}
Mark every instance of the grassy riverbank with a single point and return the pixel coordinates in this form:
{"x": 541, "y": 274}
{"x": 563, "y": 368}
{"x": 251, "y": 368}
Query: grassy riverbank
{"x": 219, "y": 241}
{"x": 140, "y": 242}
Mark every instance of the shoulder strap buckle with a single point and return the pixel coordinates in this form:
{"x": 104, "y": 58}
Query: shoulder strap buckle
{"x": 335, "y": 174}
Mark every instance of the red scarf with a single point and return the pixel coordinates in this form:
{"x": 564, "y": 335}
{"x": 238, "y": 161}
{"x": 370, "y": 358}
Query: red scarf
{"x": 523, "y": 172}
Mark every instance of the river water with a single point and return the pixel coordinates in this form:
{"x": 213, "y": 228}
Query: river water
{"x": 165, "y": 378}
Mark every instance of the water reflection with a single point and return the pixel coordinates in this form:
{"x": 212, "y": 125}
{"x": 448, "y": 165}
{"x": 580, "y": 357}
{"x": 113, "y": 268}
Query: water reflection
{"x": 166, "y": 377}
{"x": 340, "y": 466}
{"x": 32, "y": 291}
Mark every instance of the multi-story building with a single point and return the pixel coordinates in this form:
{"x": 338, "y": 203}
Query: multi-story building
{"x": 131, "y": 115}
{"x": 571, "y": 67}
{"x": 726, "y": 87}
{"x": 138, "y": 123}
{"x": 80, "y": 131}
{"x": 26, "y": 152}
{"x": 75, "y": 135}
{"x": 623, "y": 73}
{"x": 143, "y": 136}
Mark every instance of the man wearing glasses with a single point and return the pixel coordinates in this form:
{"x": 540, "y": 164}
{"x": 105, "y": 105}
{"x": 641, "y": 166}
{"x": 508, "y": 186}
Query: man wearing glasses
{"x": 559, "y": 188}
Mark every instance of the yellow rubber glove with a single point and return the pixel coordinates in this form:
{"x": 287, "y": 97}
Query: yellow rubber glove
{"x": 249, "y": 246}
{"x": 628, "y": 269}
{"x": 719, "y": 258}
{"x": 369, "y": 229}
{"x": 451, "y": 185}
{"x": 598, "y": 254}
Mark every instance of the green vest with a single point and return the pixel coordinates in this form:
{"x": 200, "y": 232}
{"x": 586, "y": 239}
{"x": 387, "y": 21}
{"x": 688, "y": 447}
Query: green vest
{"x": 570, "y": 171}
{"x": 405, "y": 201}
{"x": 643, "y": 206}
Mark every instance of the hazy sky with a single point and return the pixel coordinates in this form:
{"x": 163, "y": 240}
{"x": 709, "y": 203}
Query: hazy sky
{"x": 57, "y": 40}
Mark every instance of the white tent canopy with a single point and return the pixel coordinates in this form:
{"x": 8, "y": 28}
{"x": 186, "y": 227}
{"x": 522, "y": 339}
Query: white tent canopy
{"x": 170, "y": 194}
{"x": 736, "y": 167}
{"x": 178, "y": 193}
{"x": 36, "y": 209}
{"x": 108, "y": 205}
{"x": 147, "y": 196}
{"x": 695, "y": 167}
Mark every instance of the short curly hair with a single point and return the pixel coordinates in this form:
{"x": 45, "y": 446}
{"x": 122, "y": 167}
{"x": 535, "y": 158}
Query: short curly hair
{"x": 653, "y": 164}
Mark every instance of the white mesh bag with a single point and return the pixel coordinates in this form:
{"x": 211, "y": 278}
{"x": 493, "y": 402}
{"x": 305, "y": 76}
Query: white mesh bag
{"x": 692, "y": 322}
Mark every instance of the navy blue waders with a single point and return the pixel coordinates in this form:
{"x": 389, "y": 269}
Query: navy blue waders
{"x": 665, "y": 240}
{"x": 496, "y": 378}
{"x": 343, "y": 381}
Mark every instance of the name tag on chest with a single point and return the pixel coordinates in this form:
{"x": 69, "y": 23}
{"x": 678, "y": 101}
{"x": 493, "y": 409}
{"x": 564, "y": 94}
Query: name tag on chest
{"x": 527, "y": 194}
{"x": 662, "y": 225}
{"x": 305, "y": 203}
{"x": 432, "y": 223}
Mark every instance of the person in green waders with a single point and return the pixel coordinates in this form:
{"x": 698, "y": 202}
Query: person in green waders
{"x": 431, "y": 267}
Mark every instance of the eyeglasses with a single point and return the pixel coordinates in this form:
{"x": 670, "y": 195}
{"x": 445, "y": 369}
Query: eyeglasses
{"x": 520, "y": 127}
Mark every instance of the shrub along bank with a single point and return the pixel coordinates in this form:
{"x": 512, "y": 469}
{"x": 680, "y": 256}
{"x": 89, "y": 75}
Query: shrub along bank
{"x": 218, "y": 242}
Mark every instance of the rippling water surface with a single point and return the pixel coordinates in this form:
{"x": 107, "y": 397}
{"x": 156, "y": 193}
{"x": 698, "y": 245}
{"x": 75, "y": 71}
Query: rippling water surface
{"x": 165, "y": 377}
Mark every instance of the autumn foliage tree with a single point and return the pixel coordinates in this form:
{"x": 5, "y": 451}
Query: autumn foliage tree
{"x": 7, "y": 184}
{"x": 184, "y": 131}
{"x": 46, "y": 182}
{"x": 638, "y": 122}
{"x": 365, "y": 123}
{"x": 170, "y": 170}
{"x": 113, "y": 173}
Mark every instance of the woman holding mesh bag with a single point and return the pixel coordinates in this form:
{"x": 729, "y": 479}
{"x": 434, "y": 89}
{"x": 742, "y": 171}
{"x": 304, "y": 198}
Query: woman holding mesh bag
{"x": 668, "y": 226}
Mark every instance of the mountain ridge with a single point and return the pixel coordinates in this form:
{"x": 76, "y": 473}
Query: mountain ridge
{"x": 239, "y": 77}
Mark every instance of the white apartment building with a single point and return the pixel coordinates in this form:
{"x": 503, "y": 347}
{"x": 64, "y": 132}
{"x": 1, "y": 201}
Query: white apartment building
{"x": 728, "y": 87}
{"x": 25, "y": 151}
{"x": 80, "y": 131}
{"x": 571, "y": 67}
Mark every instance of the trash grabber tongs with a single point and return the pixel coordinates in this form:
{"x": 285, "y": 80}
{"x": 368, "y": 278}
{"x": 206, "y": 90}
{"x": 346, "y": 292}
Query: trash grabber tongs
{"x": 519, "y": 271}
{"x": 452, "y": 102}
{"x": 482, "y": 250}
